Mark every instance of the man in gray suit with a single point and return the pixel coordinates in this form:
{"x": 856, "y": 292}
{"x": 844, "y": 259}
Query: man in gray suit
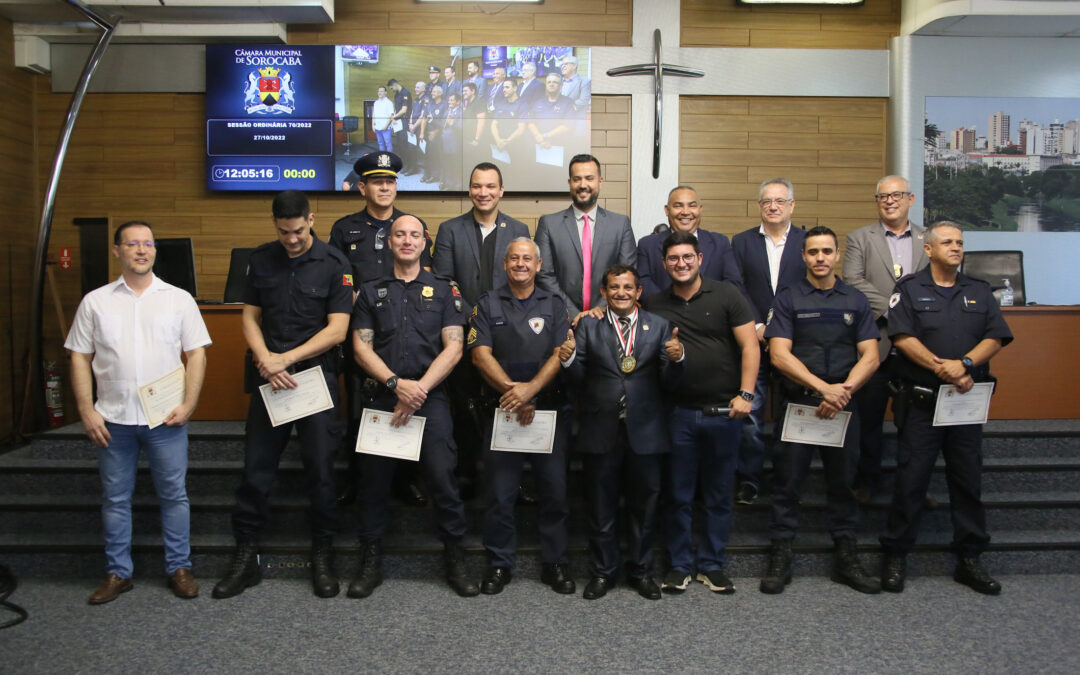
{"x": 876, "y": 256}
{"x": 584, "y": 226}
{"x": 578, "y": 88}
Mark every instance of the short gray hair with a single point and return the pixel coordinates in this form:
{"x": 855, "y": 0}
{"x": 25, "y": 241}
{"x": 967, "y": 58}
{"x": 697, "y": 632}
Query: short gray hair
{"x": 526, "y": 240}
{"x": 907, "y": 183}
{"x": 777, "y": 181}
{"x": 931, "y": 230}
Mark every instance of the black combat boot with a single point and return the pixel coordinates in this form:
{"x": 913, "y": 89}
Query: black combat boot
{"x": 323, "y": 579}
{"x": 369, "y": 575}
{"x": 456, "y": 573}
{"x": 244, "y": 571}
{"x": 778, "y": 573}
{"x": 847, "y": 570}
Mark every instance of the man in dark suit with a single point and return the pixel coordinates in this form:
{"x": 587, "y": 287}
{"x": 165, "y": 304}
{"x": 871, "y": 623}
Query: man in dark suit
{"x": 530, "y": 88}
{"x": 585, "y": 226}
{"x": 770, "y": 258}
{"x": 469, "y": 249}
{"x": 875, "y": 257}
{"x": 683, "y": 211}
{"x": 621, "y": 364}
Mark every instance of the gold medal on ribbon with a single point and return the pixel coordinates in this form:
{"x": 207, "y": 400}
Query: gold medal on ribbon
{"x": 628, "y": 364}
{"x": 897, "y": 270}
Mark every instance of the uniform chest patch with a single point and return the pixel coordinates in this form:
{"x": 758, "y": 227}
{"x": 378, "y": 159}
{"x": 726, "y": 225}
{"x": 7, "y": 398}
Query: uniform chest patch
{"x": 894, "y": 300}
{"x": 849, "y": 318}
{"x": 537, "y": 324}
{"x": 427, "y": 291}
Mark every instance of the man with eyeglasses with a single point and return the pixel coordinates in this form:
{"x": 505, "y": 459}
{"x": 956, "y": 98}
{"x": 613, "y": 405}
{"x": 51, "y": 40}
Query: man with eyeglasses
{"x": 683, "y": 210}
{"x": 362, "y": 237}
{"x": 770, "y": 258}
{"x": 875, "y": 258}
{"x": 715, "y": 325}
{"x": 126, "y": 335}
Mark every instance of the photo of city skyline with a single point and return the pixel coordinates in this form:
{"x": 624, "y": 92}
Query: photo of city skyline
{"x": 1003, "y": 164}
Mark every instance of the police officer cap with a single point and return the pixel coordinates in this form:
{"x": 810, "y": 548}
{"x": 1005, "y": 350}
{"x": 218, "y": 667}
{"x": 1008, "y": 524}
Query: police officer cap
{"x": 376, "y": 164}
{"x": 433, "y": 69}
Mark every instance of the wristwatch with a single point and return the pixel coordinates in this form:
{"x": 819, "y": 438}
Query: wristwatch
{"x": 391, "y": 383}
{"x": 746, "y": 395}
{"x": 968, "y": 364}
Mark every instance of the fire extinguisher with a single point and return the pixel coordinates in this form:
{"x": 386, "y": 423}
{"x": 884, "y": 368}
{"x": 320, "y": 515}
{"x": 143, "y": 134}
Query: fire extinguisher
{"x": 54, "y": 395}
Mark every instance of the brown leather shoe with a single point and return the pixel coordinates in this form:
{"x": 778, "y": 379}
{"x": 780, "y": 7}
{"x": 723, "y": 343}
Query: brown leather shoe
{"x": 183, "y": 585}
{"x": 110, "y": 589}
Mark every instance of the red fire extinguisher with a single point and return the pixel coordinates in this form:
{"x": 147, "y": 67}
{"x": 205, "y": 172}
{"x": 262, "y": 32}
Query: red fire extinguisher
{"x": 54, "y": 395}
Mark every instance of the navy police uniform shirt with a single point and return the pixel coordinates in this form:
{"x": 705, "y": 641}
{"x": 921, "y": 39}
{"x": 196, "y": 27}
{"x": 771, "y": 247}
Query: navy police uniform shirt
{"x": 364, "y": 240}
{"x": 949, "y": 321}
{"x": 408, "y": 318}
{"x": 522, "y": 334}
{"x": 297, "y": 294}
{"x": 824, "y": 326}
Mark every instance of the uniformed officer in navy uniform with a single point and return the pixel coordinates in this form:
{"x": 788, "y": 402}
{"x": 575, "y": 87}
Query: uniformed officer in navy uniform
{"x": 823, "y": 340}
{"x": 947, "y": 327}
{"x": 362, "y": 237}
{"x": 407, "y": 336}
{"x": 514, "y": 340}
{"x": 296, "y": 313}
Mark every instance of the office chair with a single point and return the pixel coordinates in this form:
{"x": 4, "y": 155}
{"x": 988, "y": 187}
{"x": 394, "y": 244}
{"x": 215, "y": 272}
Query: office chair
{"x": 349, "y": 124}
{"x": 994, "y": 267}
{"x": 237, "y": 280}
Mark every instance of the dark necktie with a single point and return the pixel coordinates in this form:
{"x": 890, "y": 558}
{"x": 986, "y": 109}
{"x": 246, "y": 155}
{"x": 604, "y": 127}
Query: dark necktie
{"x": 624, "y": 328}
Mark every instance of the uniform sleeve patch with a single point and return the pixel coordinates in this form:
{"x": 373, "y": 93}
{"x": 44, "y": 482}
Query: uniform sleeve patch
{"x": 768, "y": 319}
{"x": 894, "y": 300}
{"x": 472, "y": 335}
{"x": 346, "y": 280}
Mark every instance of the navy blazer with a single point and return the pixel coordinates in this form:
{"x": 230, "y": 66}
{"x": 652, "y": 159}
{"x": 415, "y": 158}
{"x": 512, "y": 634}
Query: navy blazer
{"x": 753, "y": 259}
{"x": 717, "y": 261}
{"x": 601, "y": 383}
{"x": 457, "y": 255}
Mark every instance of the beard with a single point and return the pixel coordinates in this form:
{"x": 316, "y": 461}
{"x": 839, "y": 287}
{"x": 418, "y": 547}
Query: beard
{"x": 588, "y": 203}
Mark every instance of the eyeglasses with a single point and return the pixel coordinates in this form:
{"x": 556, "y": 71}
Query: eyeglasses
{"x": 894, "y": 196}
{"x": 685, "y": 257}
{"x": 779, "y": 202}
{"x": 136, "y": 244}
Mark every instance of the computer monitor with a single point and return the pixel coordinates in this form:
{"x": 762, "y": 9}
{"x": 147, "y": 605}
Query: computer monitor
{"x": 994, "y": 267}
{"x": 176, "y": 263}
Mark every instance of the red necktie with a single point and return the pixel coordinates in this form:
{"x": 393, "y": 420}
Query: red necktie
{"x": 586, "y": 262}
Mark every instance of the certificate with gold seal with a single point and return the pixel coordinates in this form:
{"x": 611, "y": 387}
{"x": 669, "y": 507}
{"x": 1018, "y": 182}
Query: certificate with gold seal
{"x": 802, "y": 425}
{"x": 538, "y": 436}
{"x": 162, "y": 396}
{"x": 377, "y": 437}
{"x": 309, "y": 396}
{"x": 953, "y": 408}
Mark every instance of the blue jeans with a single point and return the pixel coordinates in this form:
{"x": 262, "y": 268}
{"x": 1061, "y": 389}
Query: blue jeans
{"x": 385, "y": 138}
{"x": 166, "y": 450}
{"x": 752, "y": 447}
{"x": 704, "y": 448}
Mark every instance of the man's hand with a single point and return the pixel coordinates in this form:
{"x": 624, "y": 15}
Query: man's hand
{"x": 964, "y": 384}
{"x": 402, "y": 414}
{"x": 410, "y": 393}
{"x": 272, "y": 368}
{"x": 595, "y": 312}
{"x": 526, "y": 413}
{"x": 567, "y": 349}
{"x": 826, "y": 410}
{"x": 740, "y": 407}
{"x": 95, "y": 428}
{"x": 950, "y": 370}
{"x": 179, "y": 415}
{"x": 519, "y": 394}
{"x": 761, "y": 334}
{"x": 673, "y": 347}
{"x": 837, "y": 395}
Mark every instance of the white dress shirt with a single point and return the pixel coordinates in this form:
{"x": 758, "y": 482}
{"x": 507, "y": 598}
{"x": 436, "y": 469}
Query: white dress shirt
{"x": 775, "y": 251}
{"x": 134, "y": 341}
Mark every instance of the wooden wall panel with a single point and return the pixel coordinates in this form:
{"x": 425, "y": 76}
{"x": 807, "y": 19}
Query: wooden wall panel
{"x": 21, "y": 211}
{"x": 832, "y": 150}
{"x": 724, "y": 23}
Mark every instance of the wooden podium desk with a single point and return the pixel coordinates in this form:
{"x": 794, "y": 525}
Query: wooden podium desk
{"x": 1037, "y": 374}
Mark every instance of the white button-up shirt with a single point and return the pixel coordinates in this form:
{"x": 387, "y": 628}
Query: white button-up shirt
{"x": 134, "y": 341}
{"x": 775, "y": 251}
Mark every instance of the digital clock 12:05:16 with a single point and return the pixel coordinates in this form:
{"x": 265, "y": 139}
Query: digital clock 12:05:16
{"x": 261, "y": 173}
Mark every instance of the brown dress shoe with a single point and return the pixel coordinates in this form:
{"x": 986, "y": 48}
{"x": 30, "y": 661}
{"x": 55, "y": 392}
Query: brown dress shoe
{"x": 183, "y": 585}
{"x": 109, "y": 589}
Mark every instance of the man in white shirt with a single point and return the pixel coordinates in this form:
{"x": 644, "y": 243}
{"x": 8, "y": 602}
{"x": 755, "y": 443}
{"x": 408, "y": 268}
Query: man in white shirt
{"x": 382, "y": 115}
{"x": 126, "y": 335}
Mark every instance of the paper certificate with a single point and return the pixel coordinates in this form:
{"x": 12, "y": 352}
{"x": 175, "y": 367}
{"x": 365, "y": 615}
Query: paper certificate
{"x": 802, "y": 425}
{"x": 411, "y": 137}
{"x": 310, "y": 396}
{"x": 954, "y": 408}
{"x": 552, "y": 156}
{"x": 501, "y": 155}
{"x": 160, "y": 397}
{"x": 509, "y": 436}
{"x": 377, "y": 437}
{"x": 397, "y": 126}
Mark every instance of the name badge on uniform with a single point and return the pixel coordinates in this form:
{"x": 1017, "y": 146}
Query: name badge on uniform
{"x": 427, "y": 291}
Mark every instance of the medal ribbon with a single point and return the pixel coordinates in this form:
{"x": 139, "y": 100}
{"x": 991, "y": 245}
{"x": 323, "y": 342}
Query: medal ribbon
{"x": 627, "y": 345}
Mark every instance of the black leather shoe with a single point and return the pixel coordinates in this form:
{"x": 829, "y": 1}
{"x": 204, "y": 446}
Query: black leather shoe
{"x": 893, "y": 572}
{"x": 972, "y": 574}
{"x": 495, "y": 580}
{"x": 369, "y": 574}
{"x": 747, "y": 494}
{"x": 645, "y": 587}
{"x": 598, "y": 587}
{"x": 556, "y": 576}
{"x": 848, "y": 571}
{"x": 778, "y": 574}
{"x": 456, "y": 573}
